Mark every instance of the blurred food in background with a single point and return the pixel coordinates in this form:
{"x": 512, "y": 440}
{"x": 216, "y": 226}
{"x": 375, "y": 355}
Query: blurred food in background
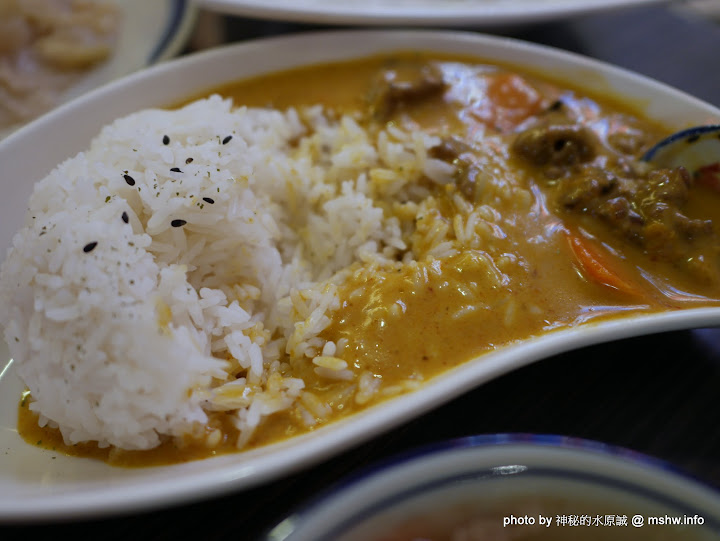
{"x": 45, "y": 46}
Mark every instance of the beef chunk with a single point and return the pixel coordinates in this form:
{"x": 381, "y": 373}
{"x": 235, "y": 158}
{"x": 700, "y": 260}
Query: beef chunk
{"x": 647, "y": 209}
{"x": 458, "y": 152}
{"x": 558, "y": 145}
{"x": 403, "y": 85}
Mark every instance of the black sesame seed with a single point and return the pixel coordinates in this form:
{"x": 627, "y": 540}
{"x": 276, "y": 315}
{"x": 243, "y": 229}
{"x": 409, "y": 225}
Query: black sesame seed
{"x": 178, "y": 223}
{"x": 129, "y": 180}
{"x": 125, "y": 217}
{"x": 89, "y": 247}
{"x": 189, "y": 160}
{"x": 227, "y": 140}
{"x": 166, "y": 140}
{"x": 209, "y": 200}
{"x": 175, "y": 170}
{"x": 556, "y": 105}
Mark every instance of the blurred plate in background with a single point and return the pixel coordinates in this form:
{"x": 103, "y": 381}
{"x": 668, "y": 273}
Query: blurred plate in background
{"x": 703, "y": 8}
{"x": 512, "y": 486}
{"x": 150, "y": 32}
{"x": 415, "y": 12}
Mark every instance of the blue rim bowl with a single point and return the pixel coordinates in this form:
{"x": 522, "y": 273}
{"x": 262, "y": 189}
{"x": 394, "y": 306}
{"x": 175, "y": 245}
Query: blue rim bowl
{"x": 478, "y": 472}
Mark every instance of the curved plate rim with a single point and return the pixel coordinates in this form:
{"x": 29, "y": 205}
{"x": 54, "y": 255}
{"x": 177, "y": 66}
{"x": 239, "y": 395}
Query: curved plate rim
{"x": 417, "y": 12}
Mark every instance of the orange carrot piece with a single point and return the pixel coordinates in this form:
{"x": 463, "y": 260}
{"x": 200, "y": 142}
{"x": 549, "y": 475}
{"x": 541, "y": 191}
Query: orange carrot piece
{"x": 709, "y": 176}
{"x": 510, "y": 100}
{"x": 596, "y": 267}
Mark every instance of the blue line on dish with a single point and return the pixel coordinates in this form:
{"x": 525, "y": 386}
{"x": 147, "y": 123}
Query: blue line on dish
{"x": 529, "y": 470}
{"x": 179, "y": 8}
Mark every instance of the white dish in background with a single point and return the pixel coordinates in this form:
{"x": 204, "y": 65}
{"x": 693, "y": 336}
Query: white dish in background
{"x": 416, "y": 12}
{"x": 702, "y": 8}
{"x": 487, "y": 481}
{"x": 151, "y": 32}
{"x": 37, "y": 483}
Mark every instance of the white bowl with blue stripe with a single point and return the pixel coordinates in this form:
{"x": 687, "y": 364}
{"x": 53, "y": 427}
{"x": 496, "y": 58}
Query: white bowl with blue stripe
{"x": 512, "y": 486}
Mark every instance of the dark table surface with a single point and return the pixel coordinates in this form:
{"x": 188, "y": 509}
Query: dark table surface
{"x": 656, "y": 394}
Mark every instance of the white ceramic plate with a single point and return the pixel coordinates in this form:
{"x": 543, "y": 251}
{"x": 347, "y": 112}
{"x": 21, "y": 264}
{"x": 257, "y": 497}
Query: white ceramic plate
{"x": 151, "y": 32}
{"x": 39, "y": 483}
{"x": 416, "y": 12}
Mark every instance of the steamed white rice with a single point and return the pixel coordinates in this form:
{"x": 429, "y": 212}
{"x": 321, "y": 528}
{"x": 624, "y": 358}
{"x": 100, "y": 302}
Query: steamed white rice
{"x": 178, "y": 265}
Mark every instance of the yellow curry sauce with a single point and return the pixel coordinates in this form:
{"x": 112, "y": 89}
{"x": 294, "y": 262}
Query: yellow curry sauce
{"x": 560, "y": 264}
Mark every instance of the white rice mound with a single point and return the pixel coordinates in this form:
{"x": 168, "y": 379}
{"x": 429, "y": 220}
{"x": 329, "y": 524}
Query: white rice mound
{"x": 157, "y": 281}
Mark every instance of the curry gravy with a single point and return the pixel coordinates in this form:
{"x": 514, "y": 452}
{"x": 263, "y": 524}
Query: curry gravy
{"x": 548, "y": 269}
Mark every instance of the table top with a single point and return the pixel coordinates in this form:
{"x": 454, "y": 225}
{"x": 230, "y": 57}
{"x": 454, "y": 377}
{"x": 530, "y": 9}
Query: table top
{"x": 655, "y": 394}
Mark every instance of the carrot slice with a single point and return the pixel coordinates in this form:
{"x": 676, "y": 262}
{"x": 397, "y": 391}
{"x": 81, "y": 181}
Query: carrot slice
{"x": 510, "y": 100}
{"x": 709, "y": 175}
{"x": 597, "y": 268}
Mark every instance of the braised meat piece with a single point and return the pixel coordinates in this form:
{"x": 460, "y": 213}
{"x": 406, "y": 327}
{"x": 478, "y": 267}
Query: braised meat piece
{"x": 630, "y": 205}
{"x": 456, "y": 151}
{"x": 604, "y": 182}
{"x": 404, "y": 84}
{"x": 646, "y": 209}
{"x": 558, "y": 145}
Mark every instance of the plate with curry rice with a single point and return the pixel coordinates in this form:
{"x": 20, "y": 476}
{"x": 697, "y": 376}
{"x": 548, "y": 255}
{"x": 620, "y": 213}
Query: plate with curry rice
{"x": 217, "y": 277}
